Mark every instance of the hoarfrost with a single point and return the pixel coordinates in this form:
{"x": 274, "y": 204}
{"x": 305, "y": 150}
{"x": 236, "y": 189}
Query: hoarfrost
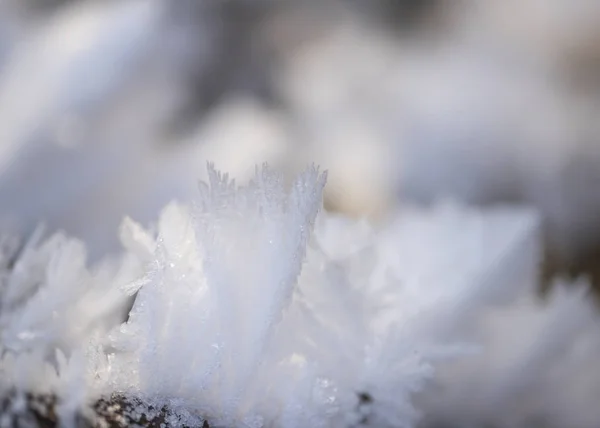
{"x": 252, "y": 309}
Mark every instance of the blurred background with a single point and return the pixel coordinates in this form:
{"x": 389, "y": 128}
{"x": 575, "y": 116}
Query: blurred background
{"x": 113, "y": 107}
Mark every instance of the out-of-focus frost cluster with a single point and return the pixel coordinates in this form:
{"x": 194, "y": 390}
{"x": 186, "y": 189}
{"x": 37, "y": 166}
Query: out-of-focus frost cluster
{"x": 472, "y": 106}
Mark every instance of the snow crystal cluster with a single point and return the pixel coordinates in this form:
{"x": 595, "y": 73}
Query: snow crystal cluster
{"x": 52, "y": 306}
{"x": 240, "y": 319}
{"x": 250, "y": 308}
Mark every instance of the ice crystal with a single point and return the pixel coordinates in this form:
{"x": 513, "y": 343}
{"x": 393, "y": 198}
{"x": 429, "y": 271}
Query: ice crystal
{"x": 256, "y": 311}
{"x": 242, "y": 320}
{"x": 249, "y": 308}
{"x": 54, "y": 313}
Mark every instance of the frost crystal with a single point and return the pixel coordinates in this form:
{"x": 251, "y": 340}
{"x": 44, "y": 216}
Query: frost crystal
{"x": 243, "y": 321}
{"x": 54, "y": 314}
{"x": 254, "y": 311}
{"x": 248, "y": 309}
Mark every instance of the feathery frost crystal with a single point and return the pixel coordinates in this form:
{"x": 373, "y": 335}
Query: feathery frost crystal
{"x": 238, "y": 322}
{"x": 248, "y": 309}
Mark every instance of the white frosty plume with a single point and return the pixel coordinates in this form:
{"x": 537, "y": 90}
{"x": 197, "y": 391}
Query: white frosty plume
{"x": 54, "y": 314}
{"x": 237, "y": 322}
{"x": 251, "y": 310}
{"x": 241, "y": 321}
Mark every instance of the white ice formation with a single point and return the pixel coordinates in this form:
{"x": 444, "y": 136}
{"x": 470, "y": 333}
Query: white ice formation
{"x": 251, "y": 308}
